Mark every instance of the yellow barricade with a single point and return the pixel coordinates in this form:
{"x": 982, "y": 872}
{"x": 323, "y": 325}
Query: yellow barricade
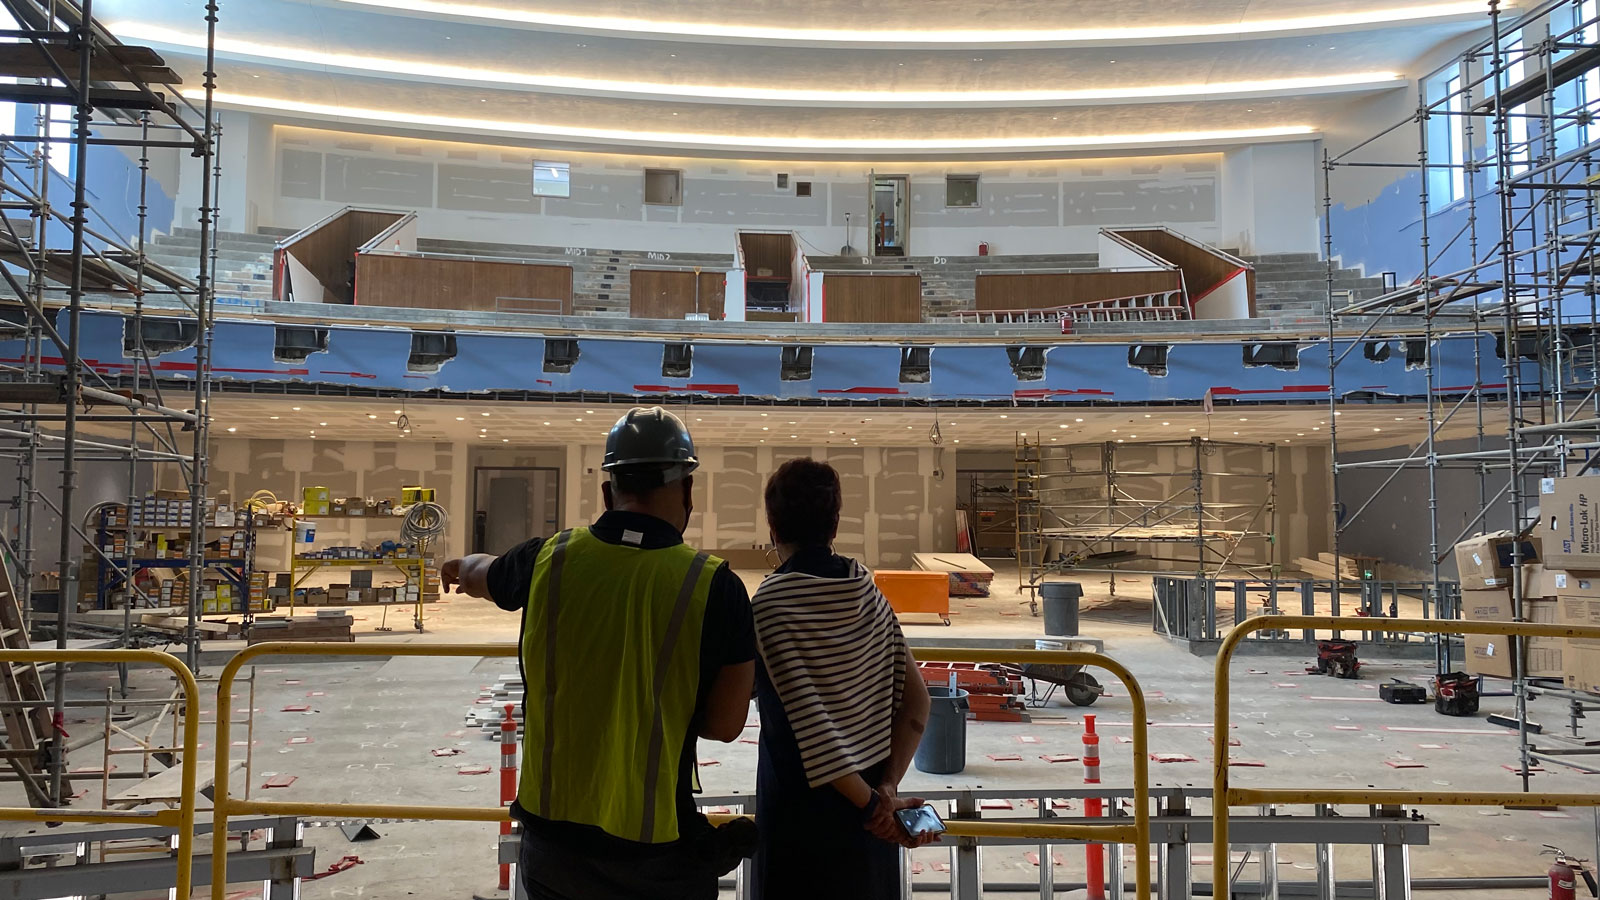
{"x": 1137, "y": 832}
{"x": 181, "y": 819}
{"x": 1224, "y": 796}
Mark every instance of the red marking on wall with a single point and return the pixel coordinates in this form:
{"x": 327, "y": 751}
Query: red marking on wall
{"x": 1194, "y": 302}
{"x": 729, "y": 389}
{"x": 1286, "y": 389}
{"x": 360, "y": 374}
{"x": 544, "y": 381}
{"x": 1036, "y": 393}
{"x": 861, "y": 390}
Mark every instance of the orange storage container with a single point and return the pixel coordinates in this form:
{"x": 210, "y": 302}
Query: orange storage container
{"x": 915, "y": 591}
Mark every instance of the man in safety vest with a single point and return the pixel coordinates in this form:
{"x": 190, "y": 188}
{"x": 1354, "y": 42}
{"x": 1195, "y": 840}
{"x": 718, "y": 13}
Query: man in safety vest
{"x": 633, "y": 645}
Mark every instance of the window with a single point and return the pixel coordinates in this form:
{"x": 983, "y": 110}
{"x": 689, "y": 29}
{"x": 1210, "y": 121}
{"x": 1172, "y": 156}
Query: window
{"x": 1589, "y": 84}
{"x": 552, "y": 179}
{"x": 961, "y": 190}
{"x": 1447, "y": 144}
{"x": 663, "y": 187}
{"x": 1516, "y": 69}
{"x": 802, "y": 188}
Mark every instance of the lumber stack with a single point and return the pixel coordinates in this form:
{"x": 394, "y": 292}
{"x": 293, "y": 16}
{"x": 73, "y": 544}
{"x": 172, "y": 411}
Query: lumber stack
{"x": 993, "y": 695}
{"x": 326, "y": 625}
{"x": 969, "y": 577}
{"x": 1350, "y": 568}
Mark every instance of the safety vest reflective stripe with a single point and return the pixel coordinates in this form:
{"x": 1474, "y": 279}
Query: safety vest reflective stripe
{"x": 558, "y": 560}
{"x": 668, "y": 645}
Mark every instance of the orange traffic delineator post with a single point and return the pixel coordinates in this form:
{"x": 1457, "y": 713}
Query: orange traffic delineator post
{"x": 1094, "y": 854}
{"x": 508, "y": 781}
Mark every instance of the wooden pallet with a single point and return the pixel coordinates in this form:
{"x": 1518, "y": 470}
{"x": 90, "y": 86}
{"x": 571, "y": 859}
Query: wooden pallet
{"x": 28, "y": 735}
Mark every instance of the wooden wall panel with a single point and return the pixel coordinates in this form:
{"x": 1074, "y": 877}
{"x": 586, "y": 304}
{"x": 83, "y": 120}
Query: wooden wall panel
{"x": 1046, "y": 290}
{"x": 872, "y": 298}
{"x": 432, "y": 282}
{"x": 670, "y": 293}
{"x": 1202, "y": 269}
{"x": 767, "y": 250}
{"x": 329, "y": 251}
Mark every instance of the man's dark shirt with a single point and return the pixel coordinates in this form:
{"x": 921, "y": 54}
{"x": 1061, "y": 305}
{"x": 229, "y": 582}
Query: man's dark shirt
{"x": 727, "y": 639}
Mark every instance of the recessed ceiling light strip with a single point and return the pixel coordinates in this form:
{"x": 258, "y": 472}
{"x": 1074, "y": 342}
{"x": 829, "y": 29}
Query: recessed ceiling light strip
{"x": 658, "y": 29}
{"x": 753, "y": 142}
{"x": 422, "y": 69}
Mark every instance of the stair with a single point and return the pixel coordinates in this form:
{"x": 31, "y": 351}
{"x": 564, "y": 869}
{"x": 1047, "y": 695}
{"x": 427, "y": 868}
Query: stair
{"x": 244, "y": 262}
{"x": 1296, "y": 284}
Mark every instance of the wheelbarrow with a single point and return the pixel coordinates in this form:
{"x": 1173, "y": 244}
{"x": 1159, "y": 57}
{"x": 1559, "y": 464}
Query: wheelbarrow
{"x": 1044, "y": 679}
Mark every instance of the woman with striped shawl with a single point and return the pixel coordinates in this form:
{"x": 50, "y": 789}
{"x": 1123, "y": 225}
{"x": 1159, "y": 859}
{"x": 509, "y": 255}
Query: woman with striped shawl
{"x": 842, "y": 707}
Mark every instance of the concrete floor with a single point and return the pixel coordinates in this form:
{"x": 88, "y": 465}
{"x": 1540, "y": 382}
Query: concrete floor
{"x": 372, "y": 727}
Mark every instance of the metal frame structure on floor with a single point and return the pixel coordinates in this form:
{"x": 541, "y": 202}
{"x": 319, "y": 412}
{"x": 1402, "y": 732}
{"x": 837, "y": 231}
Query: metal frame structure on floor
{"x": 1526, "y": 222}
{"x": 1101, "y": 505}
{"x": 76, "y": 412}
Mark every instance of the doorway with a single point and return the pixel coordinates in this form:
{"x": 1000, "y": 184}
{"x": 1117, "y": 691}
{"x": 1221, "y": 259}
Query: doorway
{"x": 512, "y": 504}
{"x": 887, "y": 215}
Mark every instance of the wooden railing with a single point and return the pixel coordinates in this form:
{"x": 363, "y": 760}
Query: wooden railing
{"x": 317, "y": 263}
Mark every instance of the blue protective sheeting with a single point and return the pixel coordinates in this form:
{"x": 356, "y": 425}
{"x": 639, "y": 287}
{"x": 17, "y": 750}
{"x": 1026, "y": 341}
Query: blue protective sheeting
{"x": 1078, "y": 372}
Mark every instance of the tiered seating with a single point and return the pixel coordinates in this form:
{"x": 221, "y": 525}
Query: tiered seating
{"x": 1295, "y": 284}
{"x": 1287, "y": 284}
{"x": 244, "y": 261}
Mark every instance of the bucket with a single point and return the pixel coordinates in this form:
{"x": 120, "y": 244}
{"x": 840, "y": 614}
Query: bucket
{"x": 304, "y": 532}
{"x": 943, "y": 750}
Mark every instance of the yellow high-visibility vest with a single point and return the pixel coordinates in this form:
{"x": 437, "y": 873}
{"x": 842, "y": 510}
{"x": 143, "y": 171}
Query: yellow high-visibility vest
{"x": 611, "y": 669}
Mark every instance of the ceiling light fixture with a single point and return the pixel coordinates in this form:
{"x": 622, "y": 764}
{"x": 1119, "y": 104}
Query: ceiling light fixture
{"x": 483, "y": 414}
{"x": 692, "y": 140}
{"x": 232, "y": 430}
{"x": 372, "y": 415}
{"x": 461, "y": 418}
{"x": 544, "y": 19}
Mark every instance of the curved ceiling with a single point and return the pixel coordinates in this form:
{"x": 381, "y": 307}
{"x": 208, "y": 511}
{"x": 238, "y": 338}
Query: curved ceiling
{"x": 1029, "y": 77}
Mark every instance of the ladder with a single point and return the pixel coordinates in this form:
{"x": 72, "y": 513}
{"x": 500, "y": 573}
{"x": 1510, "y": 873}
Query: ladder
{"x": 1030, "y": 542}
{"x": 29, "y": 737}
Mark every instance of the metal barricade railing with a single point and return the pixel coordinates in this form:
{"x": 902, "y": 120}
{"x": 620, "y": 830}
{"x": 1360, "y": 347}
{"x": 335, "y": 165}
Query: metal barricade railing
{"x": 1135, "y": 832}
{"x": 180, "y": 820}
{"x": 1224, "y": 796}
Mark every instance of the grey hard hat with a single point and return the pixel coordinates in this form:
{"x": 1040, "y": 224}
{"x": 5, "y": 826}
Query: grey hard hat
{"x": 651, "y": 440}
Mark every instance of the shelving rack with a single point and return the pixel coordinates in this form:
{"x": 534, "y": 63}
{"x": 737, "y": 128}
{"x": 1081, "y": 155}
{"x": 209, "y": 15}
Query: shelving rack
{"x": 121, "y": 97}
{"x": 236, "y": 569}
{"x": 1521, "y": 102}
{"x": 414, "y": 568}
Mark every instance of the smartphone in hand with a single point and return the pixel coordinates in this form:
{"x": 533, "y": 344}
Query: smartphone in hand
{"x": 920, "y": 820}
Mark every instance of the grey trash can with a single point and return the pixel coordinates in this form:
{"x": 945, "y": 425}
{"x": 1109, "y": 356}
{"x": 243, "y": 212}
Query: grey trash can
{"x": 1061, "y": 606}
{"x": 943, "y": 750}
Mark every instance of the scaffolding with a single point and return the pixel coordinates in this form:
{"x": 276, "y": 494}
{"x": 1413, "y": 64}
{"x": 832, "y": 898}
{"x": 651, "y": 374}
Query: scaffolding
{"x": 1122, "y": 507}
{"x": 58, "y": 406}
{"x": 1507, "y": 235}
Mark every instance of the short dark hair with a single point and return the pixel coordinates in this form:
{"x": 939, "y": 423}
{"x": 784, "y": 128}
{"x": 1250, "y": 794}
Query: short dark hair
{"x": 803, "y": 500}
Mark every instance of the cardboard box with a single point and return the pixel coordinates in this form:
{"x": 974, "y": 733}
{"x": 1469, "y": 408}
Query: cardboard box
{"x": 1485, "y": 561}
{"x": 385, "y": 594}
{"x": 1569, "y": 519}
